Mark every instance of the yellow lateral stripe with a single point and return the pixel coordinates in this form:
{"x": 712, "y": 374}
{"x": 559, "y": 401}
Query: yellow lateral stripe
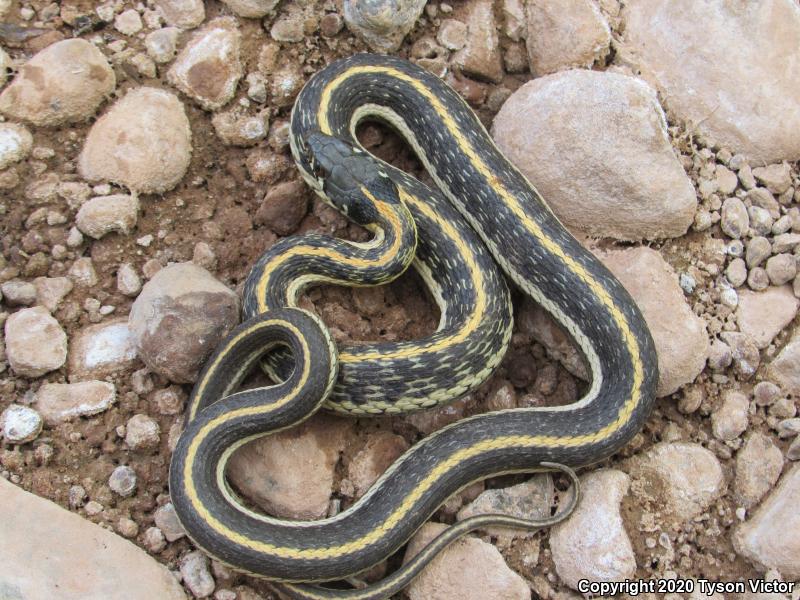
{"x": 266, "y": 274}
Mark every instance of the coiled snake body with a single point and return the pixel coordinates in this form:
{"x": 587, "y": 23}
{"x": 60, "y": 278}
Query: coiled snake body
{"x": 480, "y": 195}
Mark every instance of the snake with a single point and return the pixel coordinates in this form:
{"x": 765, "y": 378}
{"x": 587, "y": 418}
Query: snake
{"x": 480, "y": 224}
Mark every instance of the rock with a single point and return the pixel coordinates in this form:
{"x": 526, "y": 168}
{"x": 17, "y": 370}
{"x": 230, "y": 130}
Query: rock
{"x": 5, "y": 63}
{"x": 128, "y": 22}
{"x": 769, "y": 538}
{"x": 142, "y": 433}
{"x": 179, "y": 318}
{"x": 123, "y": 481}
{"x": 153, "y": 540}
{"x": 382, "y": 24}
{"x": 50, "y": 291}
{"x": 626, "y": 184}
{"x": 785, "y": 368}
{"x": 290, "y": 474}
{"x": 143, "y": 142}
{"x": 64, "y": 83}
{"x": 104, "y": 214}
{"x": 35, "y": 342}
{"x": 730, "y": 420}
{"x": 532, "y": 500}
{"x": 468, "y": 569}
{"x": 680, "y": 336}
{"x": 480, "y": 57}
{"x": 758, "y": 279}
{"x": 251, "y": 9}
{"x": 167, "y": 521}
{"x": 100, "y": 350}
{"x": 681, "y": 478}
{"x": 745, "y": 353}
{"x": 452, "y": 34}
{"x": 236, "y": 129}
{"x": 61, "y": 402}
{"x": 711, "y": 75}
{"x": 761, "y": 198}
{"x": 534, "y": 321}
{"x": 186, "y": 14}
{"x": 763, "y": 315}
{"x": 162, "y": 44}
{"x": 726, "y": 180}
{"x": 283, "y": 207}
{"x": 15, "y": 143}
{"x": 765, "y": 393}
{"x": 20, "y": 424}
{"x": 592, "y": 543}
{"x": 128, "y": 281}
{"x": 288, "y": 27}
{"x": 88, "y": 562}
{"x": 18, "y": 293}
{"x": 777, "y": 178}
{"x": 736, "y": 272}
{"x": 562, "y": 35}
{"x": 380, "y": 451}
{"x": 209, "y": 67}
{"x": 196, "y": 576}
{"x": 720, "y": 356}
{"x": 758, "y": 250}
{"x": 781, "y": 268}
{"x": 758, "y": 466}
{"x": 735, "y": 221}
{"x": 82, "y": 272}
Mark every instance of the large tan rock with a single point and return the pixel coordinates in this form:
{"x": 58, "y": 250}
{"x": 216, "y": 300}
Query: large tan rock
{"x": 785, "y": 368}
{"x": 290, "y": 474}
{"x": 731, "y": 70}
{"x": 680, "y": 335}
{"x": 209, "y": 67}
{"x": 143, "y": 142}
{"x": 769, "y": 538}
{"x": 564, "y": 34}
{"x": 64, "y": 83}
{"x": 480, "y": 57}
{"x": 468, "y": 569}
{"x": 35, "y": 342}
{"x": 178, "y": 319}
{"x": 48, "y": 552}
{"x": 763, "y": 315}
{"x": 382, "y": 25}
{"x": 592, "y": 543}
{"x": 595, "y": 145}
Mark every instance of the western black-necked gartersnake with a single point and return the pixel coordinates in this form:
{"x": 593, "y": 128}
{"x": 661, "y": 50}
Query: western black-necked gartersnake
{"x": 480, "y": 195}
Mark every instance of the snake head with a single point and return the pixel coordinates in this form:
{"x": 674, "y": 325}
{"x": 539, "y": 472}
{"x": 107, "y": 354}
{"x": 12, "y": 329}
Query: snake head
{"x": 351, "y": 179}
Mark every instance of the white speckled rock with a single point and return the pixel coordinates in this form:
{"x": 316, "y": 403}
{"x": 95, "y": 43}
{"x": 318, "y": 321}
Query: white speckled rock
{"x": 564, "y": 34}
{"x": 143, "y": 142}
{"x": 20, "y": 424}
{"x": 87, "y": 563}
{"x": 167, "y": 521}
{"x": 758, "y": 466}
{"x": 769, "y": 538}
{"x": 290, "y": 474}
{"x": 60, "y": 402}
{"x": 681, "y": 478}
{"x": 99, "y": 350}
{"x": 142, "y": 433}
{"x": 468, "y": 569}
{"x": 380, "y": 451}
{"x": 104, "y": 214}
{"x": 15, "y": 143}
{"x": 196, "y": 576}
{"x": 785, "y": 368}
{"x": 35, "y": 342}
{"x": 763, "y": 315}
{"x": 382, "y": 24}
{"x": 714, "y": 61}
{"x": 680, "y": 335}
{"x": 592, "y": 543}
{"x": 64, "y": 83}
{"x": 620, "y": 177}
{"x": 179, "y": 318}
{"x": 209, "y": 66}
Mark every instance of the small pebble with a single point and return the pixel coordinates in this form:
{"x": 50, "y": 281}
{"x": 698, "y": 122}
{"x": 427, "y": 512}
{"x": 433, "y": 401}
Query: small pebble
{"x": 154, "y": 540}
{"x": 20, "y": 424}
{"x": 196, "y": 576}
{"x": 123, "y": 481}
{"x": 142, "y": 433}
{"x": 781, "y": 268}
